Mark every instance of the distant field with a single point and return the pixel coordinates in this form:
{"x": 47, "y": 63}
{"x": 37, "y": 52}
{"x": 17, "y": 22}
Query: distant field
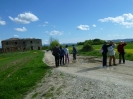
{"x": 19, "y": 71}
{"x": 128, "y": 49}
{"x": 97, "y": 47}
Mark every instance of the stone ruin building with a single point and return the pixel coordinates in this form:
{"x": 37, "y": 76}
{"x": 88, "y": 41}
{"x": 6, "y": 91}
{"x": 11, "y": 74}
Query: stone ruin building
{"x": 17, "y": 44}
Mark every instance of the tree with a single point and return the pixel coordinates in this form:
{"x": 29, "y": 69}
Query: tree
{"x": 53, "y": 42}
{"x": 80, "y": 43}
{"x": 87, "y": 47}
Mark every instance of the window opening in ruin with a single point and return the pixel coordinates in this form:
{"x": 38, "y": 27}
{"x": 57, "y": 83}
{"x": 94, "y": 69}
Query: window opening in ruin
{"x": 24, "y": 48}
{"x": 6, "y": 43}
{"x": 23, "y": 42}
{"x": 38, "y": 48}
{"x": 31, "y": 47}
{"x": 30, "y": 41}
{"x": 7, "y": 49}
{"x": 16, "y": 42}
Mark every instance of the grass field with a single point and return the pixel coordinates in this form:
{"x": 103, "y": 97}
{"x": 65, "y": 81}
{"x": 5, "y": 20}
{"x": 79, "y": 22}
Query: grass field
{"x": 20, "y": 71}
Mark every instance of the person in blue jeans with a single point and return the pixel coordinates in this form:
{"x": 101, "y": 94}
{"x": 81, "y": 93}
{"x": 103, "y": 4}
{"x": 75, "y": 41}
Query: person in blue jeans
{"x": 62, "y": 54}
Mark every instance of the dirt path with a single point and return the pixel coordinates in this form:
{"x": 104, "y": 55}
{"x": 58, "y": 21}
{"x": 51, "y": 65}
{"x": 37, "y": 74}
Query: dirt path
{"x": 85, "y": 79}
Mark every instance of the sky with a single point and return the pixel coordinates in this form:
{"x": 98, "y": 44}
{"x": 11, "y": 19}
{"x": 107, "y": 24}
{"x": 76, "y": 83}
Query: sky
{"x": 69, "y": 21}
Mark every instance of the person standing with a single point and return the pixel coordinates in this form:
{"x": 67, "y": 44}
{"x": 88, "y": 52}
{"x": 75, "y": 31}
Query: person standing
{"x": 62, "y": 53}
{"x": 104, "y": 53}
{"x": 111, "y": 53}
{"x": 66, "y": 54}
{"x": 56, "y": 53}
{"x": 74, "y": 52}
{"x": 120, "y": 49}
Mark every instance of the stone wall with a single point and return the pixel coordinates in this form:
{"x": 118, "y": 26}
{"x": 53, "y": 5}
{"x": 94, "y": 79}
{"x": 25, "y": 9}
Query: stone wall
{"x": 0, "y": 50}
{"x": 16, "y": 44}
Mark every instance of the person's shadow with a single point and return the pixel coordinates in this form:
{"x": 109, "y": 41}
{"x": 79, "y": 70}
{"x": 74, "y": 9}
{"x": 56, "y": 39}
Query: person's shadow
{"x": 89, "y": 69}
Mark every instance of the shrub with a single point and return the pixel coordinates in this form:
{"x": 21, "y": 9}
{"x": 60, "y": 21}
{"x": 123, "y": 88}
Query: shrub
{"x": 45, "y": 47}
{"x": 87, "y": 47}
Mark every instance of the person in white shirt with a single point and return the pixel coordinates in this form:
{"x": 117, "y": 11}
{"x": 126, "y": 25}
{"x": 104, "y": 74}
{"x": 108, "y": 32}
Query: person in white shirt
{"x": 66, "y": 54}
{"x": 111, "y": 53}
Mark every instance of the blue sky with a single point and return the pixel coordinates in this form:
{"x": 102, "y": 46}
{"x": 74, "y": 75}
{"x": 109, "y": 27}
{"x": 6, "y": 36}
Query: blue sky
{"x": 69, "y": 21}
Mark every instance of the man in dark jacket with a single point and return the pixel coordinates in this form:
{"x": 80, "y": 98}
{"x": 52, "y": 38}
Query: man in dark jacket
{"x": 56, "y": 53}
{"x": 104, "y": 53}
{"x": 74, "y": 52}
{"x": 121, "y": 51}
{"x": 62, "y": 54}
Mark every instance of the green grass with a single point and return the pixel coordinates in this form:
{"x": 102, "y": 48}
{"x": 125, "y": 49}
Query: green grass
{"x": 20, "y": 71}
{"x": 129, "y": 46}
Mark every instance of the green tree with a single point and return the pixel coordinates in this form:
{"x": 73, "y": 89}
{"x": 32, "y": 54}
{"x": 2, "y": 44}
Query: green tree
{"x": 87, "y": 47}
{"x": 80, "y": 43}
{"x": 97, "y": 41}
{"x": 89, "y": 42}
{"x": 53, "y": 42}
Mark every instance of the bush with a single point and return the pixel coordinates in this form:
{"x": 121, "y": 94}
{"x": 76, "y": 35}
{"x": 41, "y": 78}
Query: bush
{"x": 45, "y": 47}
{"x": 53, "y": 42}
{"x": 87, "y": 47}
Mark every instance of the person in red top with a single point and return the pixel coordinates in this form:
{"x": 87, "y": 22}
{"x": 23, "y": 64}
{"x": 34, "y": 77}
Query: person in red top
{"x": 121, "y": 51}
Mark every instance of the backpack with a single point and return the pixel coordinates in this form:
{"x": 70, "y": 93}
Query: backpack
{"x": 101, "y": 50}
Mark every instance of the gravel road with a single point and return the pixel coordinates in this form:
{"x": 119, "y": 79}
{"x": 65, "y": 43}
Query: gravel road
{"x": 84, "y": 79}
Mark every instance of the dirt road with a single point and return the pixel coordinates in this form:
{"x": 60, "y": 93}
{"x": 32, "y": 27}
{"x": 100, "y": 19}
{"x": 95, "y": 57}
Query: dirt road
{"x": 86, "y": 79}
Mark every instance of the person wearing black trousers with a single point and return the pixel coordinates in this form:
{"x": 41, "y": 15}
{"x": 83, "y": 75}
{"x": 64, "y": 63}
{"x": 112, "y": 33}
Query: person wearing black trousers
{"x": 121, "y": 51}
{"x": 74, "y": 52}
{"x": 104, "y": 53}
{"x": 62, "y": 54}
{"x": 56, "y": 53}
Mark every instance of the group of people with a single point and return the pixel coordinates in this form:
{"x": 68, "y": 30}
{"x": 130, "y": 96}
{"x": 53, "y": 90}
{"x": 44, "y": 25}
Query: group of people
{"x": 109, "y": 48}
{"x": 62, "y": 54}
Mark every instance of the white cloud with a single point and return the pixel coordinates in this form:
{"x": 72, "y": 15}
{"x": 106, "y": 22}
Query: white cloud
{"x": 83, "y": 27}
{"x": 94, "y": 25}
{"x": 54, "y": 32}
{"x": 116, "y": 35}
{"x": 24, "y": 18}
{"x": 21, "y": 29}
{"x": 101, "y": 28}
{"x": 46, "y": 32}
{"x": 45, "y": 23}
{"x": 45, "y": 42}
{"x": 16, "y": 36}
{"x": 2, "y": 22}
{"x": 126, "y": 20}
{"x": 0, "y": 42}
